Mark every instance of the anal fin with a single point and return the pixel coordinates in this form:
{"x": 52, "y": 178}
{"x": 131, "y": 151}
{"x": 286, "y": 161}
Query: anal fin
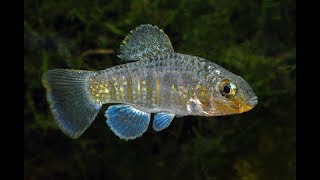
{"x": 126, "y": 121}
{"x": 162, "y": 121}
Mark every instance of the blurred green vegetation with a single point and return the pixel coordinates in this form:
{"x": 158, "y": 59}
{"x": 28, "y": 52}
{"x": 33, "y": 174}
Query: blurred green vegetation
{"x": 254, "y": 39}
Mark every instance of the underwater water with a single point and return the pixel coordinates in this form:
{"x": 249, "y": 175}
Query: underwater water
{"x": 254, "y": 39}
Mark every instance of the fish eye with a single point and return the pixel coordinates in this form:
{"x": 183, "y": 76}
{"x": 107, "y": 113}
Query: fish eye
{"x": 228, "y": 88}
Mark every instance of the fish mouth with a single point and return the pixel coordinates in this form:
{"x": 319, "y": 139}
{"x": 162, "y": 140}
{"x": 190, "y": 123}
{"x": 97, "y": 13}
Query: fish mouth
{"x": 253, "y": 101}
{"x": 250, "y": 104}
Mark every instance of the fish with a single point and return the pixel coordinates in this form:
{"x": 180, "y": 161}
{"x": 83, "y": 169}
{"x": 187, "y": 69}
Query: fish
{"x": 153, "y": 80}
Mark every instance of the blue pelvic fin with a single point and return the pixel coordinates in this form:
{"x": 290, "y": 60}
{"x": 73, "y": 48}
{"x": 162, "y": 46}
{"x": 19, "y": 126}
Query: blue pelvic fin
{"x": 162, "y": 121}
{"x": 72, "y": 108}
{"x": 126, "y": 121}
{"x": 145, "y": 41}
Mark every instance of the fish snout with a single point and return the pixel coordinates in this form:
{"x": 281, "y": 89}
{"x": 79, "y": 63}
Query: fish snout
{"x": 250, "y": 104}
{"x": 253, "y": 101}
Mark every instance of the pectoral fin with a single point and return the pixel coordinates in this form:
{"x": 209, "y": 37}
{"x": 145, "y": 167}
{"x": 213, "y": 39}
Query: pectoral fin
{"x": 126, "y": 121}
{"x": 162, "y": 121}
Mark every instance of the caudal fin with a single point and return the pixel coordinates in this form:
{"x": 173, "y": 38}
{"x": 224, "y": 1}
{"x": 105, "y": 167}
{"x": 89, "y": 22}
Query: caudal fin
{"x": 69, "y": 102}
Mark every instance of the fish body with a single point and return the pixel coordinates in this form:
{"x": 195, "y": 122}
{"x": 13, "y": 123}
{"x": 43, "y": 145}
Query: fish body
{"x": 170, "y": 83}
{"x": 160, "y": 81}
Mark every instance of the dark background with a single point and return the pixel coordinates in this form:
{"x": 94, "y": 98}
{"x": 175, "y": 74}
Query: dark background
{"x": 254, "y": 39}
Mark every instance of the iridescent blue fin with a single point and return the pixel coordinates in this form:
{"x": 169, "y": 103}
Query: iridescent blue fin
{"x": 162, "y": 121}
{"x": 145, "y": 41}
{"x": 69, "y": 102}
{"x": 126, "y": 121}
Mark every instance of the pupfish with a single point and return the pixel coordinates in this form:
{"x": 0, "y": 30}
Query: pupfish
{"x": 155, "y": 79}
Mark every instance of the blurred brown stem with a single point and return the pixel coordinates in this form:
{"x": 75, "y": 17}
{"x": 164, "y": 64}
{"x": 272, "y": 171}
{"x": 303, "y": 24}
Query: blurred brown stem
{"x": 96, "y": 51}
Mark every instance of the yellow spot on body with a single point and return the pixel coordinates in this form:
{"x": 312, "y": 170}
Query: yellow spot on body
{"x": 185, "y": 95}
{"x": 172, "y": 96}
{"x": 173, "y": 87}
{"x": 157, "y": 91}
{"x": 183, "y": 89}
{"x": 138, "y": 87}
{"x": 183, "y": 92}
{"x": 129, "y": 88}
{"x": 122, "y": 92}
{"x": 117, "y": 96}
{"x": 149, "y": 89}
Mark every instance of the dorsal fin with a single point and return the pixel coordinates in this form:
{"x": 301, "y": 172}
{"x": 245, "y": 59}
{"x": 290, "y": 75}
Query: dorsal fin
{"x": 145, "y": 41}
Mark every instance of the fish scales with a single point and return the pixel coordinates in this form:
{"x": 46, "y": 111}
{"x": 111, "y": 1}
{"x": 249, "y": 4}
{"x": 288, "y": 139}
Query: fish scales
{"x": 162, "y": 83}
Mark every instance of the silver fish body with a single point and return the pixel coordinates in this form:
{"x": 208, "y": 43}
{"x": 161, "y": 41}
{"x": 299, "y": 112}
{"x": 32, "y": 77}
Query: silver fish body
{"x": 165, "y": 83}
{"x": 155, "y": 80}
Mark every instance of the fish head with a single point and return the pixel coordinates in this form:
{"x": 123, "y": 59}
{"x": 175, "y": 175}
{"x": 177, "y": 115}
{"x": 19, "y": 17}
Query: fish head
{"x": 226, "y": 94}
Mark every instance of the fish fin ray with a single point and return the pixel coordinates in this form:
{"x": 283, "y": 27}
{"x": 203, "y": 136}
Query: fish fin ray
{"x": 66, "y": 92}
{"x": 127, "y": 122}
{"x": 162, "y": 121}
{"x": 145, "y": 41}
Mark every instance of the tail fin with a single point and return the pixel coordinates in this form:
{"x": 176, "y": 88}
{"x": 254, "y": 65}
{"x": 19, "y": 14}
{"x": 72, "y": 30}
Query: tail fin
{"x": 69, "y": 102}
